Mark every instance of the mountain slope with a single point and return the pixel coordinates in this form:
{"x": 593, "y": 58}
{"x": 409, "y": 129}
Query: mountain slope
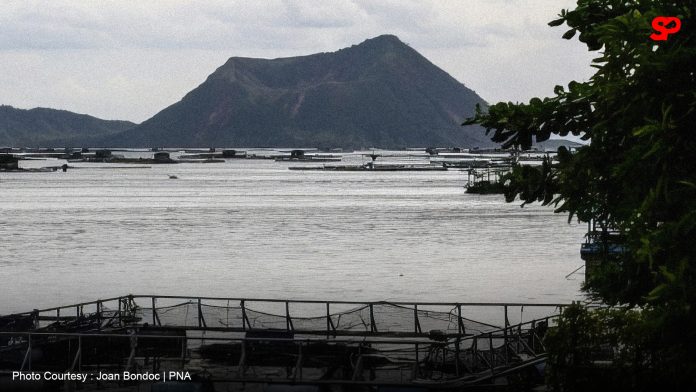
{"x": 41, "y": 127}
{"x": 380, "y": 93}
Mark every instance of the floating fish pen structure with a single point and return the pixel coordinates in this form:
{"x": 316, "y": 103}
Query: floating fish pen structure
{"x": 301, "y": 156}
{"x": 603, "y": 244}
{"x": 9, "y": 162}
{"x": 372, "y": 167}
{"x": 486, "y": 180}
{"x": 228, "y": 341}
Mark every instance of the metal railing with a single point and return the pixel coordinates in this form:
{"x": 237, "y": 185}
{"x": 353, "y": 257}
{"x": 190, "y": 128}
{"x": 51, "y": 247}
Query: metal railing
{"x": 325, "y": 315}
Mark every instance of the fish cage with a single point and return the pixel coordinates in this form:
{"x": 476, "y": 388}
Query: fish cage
{"x": 237, "y": 340}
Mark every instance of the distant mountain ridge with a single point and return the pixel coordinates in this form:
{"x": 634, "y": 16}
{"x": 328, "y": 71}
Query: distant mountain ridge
{"x": 42, "y": 127}
{"x": 380, "y": 93}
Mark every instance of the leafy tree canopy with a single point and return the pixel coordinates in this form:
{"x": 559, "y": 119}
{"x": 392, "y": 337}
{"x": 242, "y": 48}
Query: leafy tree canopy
{"x": 637, "y": 176}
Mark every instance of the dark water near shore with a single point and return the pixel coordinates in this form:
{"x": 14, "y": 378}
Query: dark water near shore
{"x": 248, "y": 228}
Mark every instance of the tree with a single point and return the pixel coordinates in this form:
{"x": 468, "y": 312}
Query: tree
{"x": 638, "y": 174}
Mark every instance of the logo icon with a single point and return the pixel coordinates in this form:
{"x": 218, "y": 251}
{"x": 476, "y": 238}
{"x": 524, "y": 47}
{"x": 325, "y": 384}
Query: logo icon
{"x": 664, "y": 26}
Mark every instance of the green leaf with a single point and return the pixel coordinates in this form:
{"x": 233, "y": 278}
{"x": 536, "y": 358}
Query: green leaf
{"x": 556, "y": 22}
{"x": 569, "y": 34}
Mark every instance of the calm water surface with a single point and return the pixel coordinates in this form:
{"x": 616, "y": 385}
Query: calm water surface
{"x": 250, "y": 228}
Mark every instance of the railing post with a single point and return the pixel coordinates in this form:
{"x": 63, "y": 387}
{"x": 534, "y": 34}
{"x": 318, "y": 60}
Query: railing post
{"x": 154, "y": 312}
{"x": 245, "y": 320}
{"x": 456, "y": 356}
{"x": 373, "y": 327}
{"x": 505, "y": 344}
{"x": 120, "y": 316}
{"x": 490, "y": 349}
{"x": 79, "y": 352}
{"x": 416, "y": 322}
{"x": 505, "y": 336}
{"x": 460, "y": 322}
{"x": 99, "y": 315}
{"x": 288, "y": 318}
{"x": 27, "y": 355}
{"x": 416, "y": 368}
{"x": 183, "y": 352}
{"x": 328, "y": 321}
{"x": 298, "y": 365}
{"x": 200, "y": 314}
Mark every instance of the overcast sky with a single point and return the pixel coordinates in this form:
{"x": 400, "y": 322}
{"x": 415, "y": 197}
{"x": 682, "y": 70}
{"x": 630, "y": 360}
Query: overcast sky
{"x": 128, "y": 60}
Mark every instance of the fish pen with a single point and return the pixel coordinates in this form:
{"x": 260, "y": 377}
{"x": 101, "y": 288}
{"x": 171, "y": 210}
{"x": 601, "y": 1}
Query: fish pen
{"x": 267, "y": 341}
{"x": 486, "y": 180}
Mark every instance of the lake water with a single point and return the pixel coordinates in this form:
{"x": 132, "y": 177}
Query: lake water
{"x": 253, "y": 228}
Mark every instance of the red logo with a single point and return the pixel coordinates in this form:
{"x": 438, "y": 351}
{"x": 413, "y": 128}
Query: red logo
{"x": 664, "y": 26}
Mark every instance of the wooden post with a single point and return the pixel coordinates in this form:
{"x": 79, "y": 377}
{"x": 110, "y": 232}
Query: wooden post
{"x": 456, "y": 356}
{"x": 183, "y": 352}
{"x": 154, "y": 312}
{"x": 373, "y": 327}
{"x": 27, "y": 356}
{"x": 460, "y": 322}
{"x": 416, "y": 322}
{"x": 490, "y": 348}
{"x": 298, "y": 364}
{"x": 99, "y": 315}
{"x": 288, "y": 318}
{"x": 200, "y": 314}
{"x": 505, "y": 335}
{"x": 245, "y": 320}
{"x": 242, "y": 359}
{"x": 328, "y": 321}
